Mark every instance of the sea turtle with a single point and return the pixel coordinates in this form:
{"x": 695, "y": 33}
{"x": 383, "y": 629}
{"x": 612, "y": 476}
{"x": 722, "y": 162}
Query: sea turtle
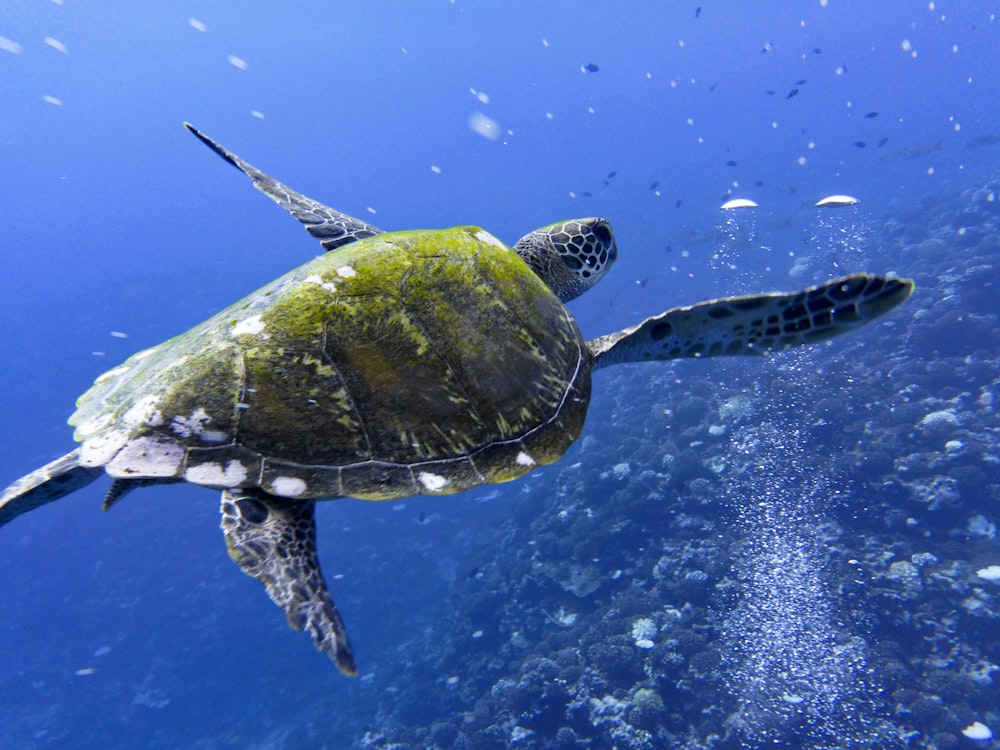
{"x": 416, "y": 362}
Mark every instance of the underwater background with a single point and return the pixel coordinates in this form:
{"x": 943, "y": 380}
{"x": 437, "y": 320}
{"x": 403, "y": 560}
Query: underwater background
{"x": 792, "y": 551}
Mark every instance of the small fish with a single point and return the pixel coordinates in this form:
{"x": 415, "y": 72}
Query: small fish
{"x": 654, "y": 185}
{"x": 611, "y": 175}
{"x": 883, "y": 141}
{"x": 474, "y": 573}
{"x": 679, "y": 203}
{"x": 590, "y": 68}
{"x": 697, "y": 12}
{"x": 983, "y": 141}
{"x": 642, "y": 282}
{"x": 872, "y": 115}
{"x": 817, "y": 50}
{"x": 770, "y": 92}
{"x": 732, "y": 163}
{"x": 712, "y": 87}
{"x": 792, "y": 93}
{"x": 423, "y": 518}
{"x": 767, "y": 47}
{"x": 759, "y": 183}
{"x": 587, "y": 193}
{"x": 913, "y": 153}
{"x": 860, "y": 144}
{"x": 801, "y": 82}
{"x": 669, "y": 248}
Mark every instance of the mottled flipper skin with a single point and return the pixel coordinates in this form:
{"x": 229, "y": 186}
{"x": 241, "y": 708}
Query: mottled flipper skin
{"x": 50, "y": 482}
{"x": 274, "y": 540}
{"x": 754, "y": 324}
{"x": 331, "y": 227}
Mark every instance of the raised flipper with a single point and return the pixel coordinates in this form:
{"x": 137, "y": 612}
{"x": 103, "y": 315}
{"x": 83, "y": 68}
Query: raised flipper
{"x": 754, "y": 324}
{"x": 51, "y": 482}
{"x": 331, "y": 227}
{"x": 274, "y": 540}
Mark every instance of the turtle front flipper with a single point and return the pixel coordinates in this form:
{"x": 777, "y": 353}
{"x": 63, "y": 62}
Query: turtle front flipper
{"x": 754, "y": 324}
{"x": 331, "y": 227}
{"x": 50, "y": 482}
{"x": 274, "y": 540}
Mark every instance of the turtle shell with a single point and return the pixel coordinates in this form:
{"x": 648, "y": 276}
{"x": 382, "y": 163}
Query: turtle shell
{"x": 405, "y": 363}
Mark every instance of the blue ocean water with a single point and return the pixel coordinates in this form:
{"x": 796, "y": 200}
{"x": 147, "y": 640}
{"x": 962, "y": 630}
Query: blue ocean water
{"x": 780, "y": 553}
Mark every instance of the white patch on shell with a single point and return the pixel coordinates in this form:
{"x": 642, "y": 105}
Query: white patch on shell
{"x": 346, "y": 272}
{"x": 318, "y": 281}
{"x": 433, "y": 482}
{"x": 99, "y": 450}
{"x": 144, "y": 412}
{"x": 483, "y": 236}
{"x": 288, "y": 486}
{"x": 92, "y": 426}
{"x": 193, "y": 425}
{"x": 213, "y": 436}
{"x": 523, "y": 459}
{"x": 249, "y": 326}
{"x": 213, "y": 475}
{"x": 147, "y": 457}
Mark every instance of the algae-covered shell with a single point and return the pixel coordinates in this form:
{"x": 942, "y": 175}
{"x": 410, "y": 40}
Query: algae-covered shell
{"x": 405, "y": 363}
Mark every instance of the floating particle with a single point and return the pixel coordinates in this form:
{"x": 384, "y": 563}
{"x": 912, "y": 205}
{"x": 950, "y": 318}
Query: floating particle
{"x": 56, "y": 45}
{"x": 257, "y": 113}
{"x": 371, "y": 210}
{"x": 485, "y": 126}
{"x": 978, "y": 731}
{"x": 85, "y": 671}
{"x": 793, "y": 92}
{"x": 767, "y": 47}
{"x": 197, "y": 25}
{"x": 9, "y": 45}
{"x": 643, "y": 283}
{"x": 238, "y": 62}
{"x": 738, "y": 203}
{"x": 589, "y": 68}
{"x": 872, "y": 115}
{"x": 53, "y": 100}
{"x": 435, "y": 169}
{"x": 837, "y": 201}
{"x": 119, "y": 335}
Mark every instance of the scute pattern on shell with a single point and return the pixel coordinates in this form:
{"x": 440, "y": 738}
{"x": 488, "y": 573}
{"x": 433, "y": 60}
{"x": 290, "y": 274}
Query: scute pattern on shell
{"x": 406, "y": 363}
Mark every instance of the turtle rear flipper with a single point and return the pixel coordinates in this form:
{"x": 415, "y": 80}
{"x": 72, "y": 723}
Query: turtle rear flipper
{"x": 50, "y": 482}
{"x": 754, "y": 324}
{"x": 274, "y": 540}
{"x": 331, "y": 227}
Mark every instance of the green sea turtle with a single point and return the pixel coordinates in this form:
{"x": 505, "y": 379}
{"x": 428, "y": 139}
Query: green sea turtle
{"x": 417, "y": 362}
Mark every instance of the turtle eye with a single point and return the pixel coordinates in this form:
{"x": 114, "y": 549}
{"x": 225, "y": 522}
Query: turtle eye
{"x": 252, "y": 510}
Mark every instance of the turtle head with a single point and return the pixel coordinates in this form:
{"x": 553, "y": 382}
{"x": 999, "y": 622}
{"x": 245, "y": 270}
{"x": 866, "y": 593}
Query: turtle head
{"x": 570, "y": 256}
